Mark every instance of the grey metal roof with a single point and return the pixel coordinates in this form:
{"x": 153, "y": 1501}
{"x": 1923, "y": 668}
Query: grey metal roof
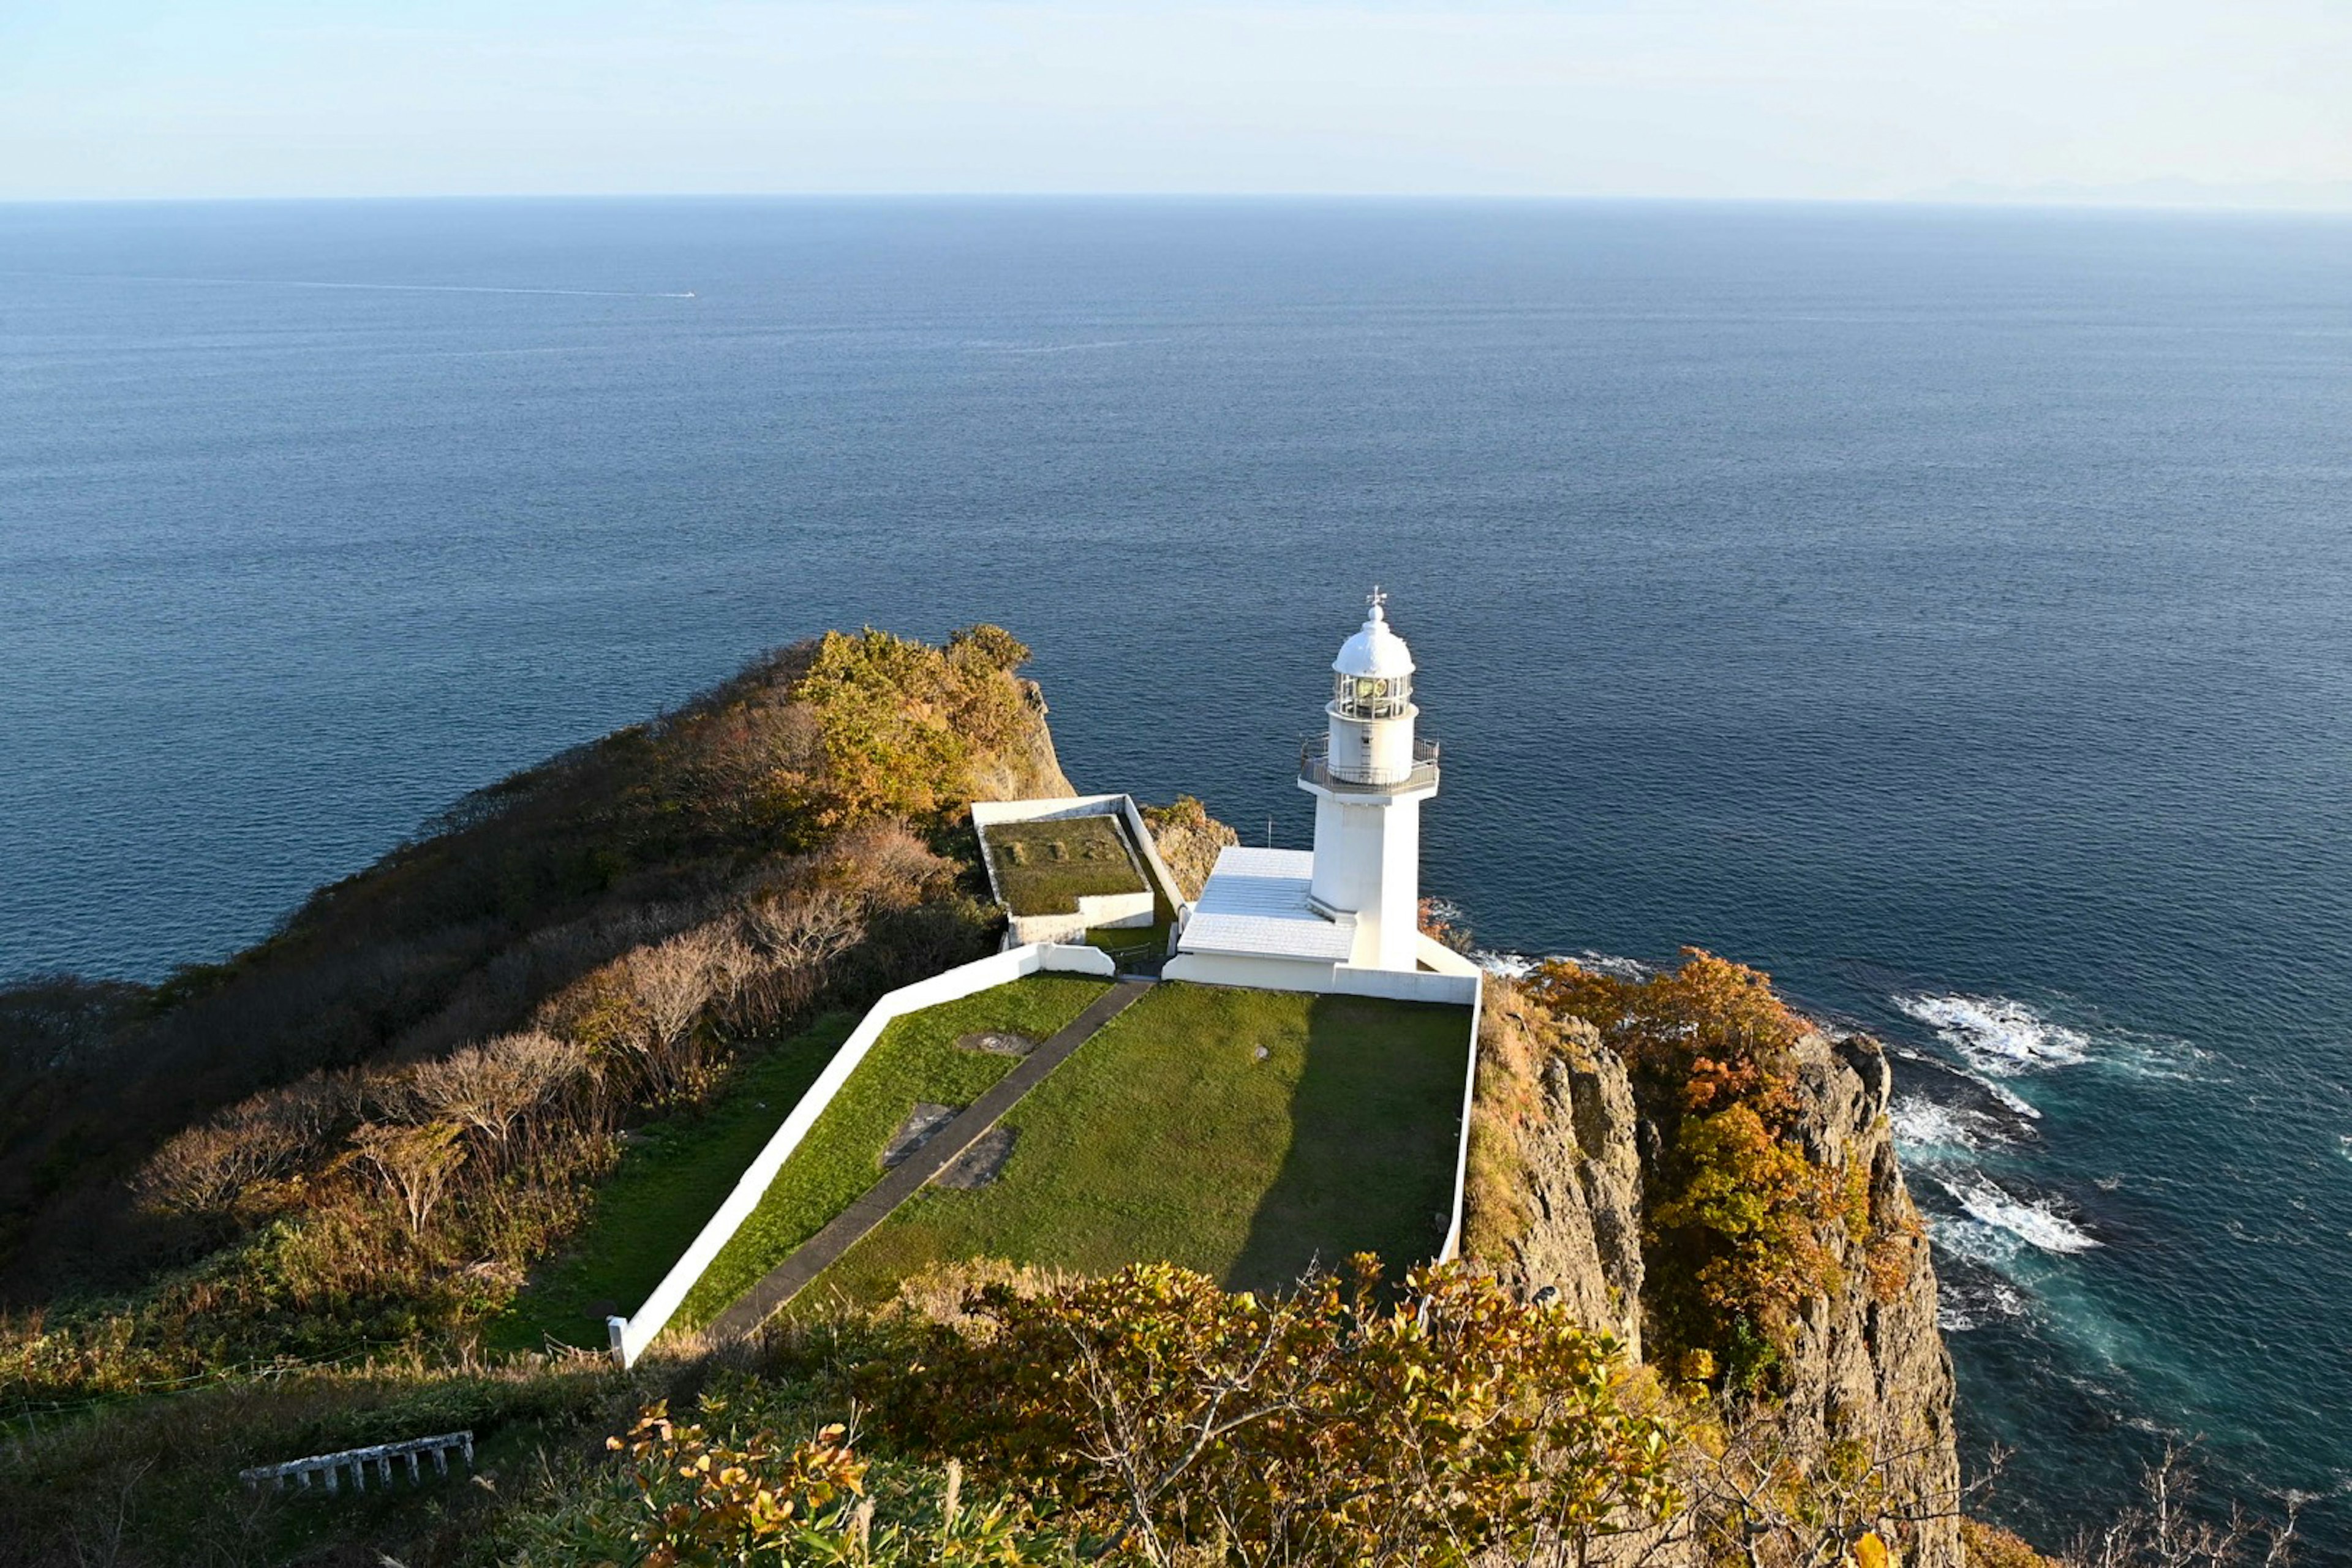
{"x": 1255, "y": 904}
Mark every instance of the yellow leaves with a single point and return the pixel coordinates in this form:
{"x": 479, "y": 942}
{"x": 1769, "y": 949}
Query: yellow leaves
{"x": 1871, "y": 1553}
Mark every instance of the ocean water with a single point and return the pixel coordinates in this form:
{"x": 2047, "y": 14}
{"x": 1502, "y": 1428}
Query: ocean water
{"x": 1949, "y": 611}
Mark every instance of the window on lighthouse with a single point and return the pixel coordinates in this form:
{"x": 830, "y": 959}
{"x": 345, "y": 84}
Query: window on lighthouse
{"x": 1372, "y": 697}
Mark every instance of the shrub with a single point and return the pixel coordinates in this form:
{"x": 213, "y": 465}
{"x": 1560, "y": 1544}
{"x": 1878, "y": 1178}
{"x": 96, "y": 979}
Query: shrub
{"x": 1332, "y": 1425}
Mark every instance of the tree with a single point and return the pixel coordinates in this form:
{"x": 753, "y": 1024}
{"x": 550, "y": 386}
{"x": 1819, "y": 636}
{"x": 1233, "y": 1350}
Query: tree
{"x": 1742, "y": 1228}
{"x": 415, "y": 1164}
{"x": 495, "y": 1087}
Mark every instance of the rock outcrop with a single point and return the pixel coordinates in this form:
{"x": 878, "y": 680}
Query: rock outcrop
{"x": 1869, "y": 1360}
{"x": 1026, "y": 767}
{"x": 1577, "y": 1148}
{"x": 1189, "y": 840}
{"x": 1559, "y": 1156}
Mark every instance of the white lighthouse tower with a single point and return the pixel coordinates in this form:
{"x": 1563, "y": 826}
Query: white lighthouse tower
{"x": 1345, "y": 917}
{"x": 1369, "y": 776}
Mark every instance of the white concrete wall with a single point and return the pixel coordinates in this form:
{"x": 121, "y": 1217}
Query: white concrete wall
{"x": 1434, "y": 954}
{"x": 1252, "y": 974}
{"x": 1458, "y": 989}
{"x": 631, "y": 1335}
{"x": 1452, "y": 1248}
{"x": 1101, "y": 909}
{"x": 1094, "y": 909}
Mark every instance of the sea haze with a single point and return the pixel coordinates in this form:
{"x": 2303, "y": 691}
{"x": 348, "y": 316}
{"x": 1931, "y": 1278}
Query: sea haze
{"x": 1949, "y": 611}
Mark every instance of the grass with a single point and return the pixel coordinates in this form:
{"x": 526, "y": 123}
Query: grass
{"x": 916, "y": 1059}
{"x": 669, "y": 1183}
{"x": 1167, "y": 1137}
{"x": 1045, "y": 868}
{"x": 1120, "y": 941}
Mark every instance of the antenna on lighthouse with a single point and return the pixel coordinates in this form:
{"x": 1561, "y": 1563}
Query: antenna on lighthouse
{"x": 1376, "y": 599}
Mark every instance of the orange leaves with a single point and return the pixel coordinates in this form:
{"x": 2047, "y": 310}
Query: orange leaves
{"x": 1713, "y": 1028}
{"x": 1742, "y": 1228}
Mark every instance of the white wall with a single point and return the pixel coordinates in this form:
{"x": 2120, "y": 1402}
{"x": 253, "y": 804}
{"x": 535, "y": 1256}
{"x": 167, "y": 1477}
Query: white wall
{"x": 631, "y": 1335}
{"x": 1094, "y": 909}
{"x": 1102, "y": 909}
{"x": 1434, "y": 954}
{"x": 1323, "y": 979}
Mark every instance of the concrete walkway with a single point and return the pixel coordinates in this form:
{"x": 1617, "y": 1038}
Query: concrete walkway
{"x": 813, "y": 1257}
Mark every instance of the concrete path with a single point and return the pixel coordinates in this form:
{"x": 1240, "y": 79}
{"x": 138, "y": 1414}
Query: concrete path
{"x": 849, "y": 1227}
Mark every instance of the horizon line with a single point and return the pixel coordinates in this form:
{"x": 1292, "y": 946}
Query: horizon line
{"x": 1991, "y": 203}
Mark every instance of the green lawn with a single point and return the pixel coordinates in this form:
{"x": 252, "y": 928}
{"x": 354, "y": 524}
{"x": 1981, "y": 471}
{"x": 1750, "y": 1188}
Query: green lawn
{"x": 669, "y": 1183}
{"x": 916, "y": 1059}
{"x": 1166, "y": 1137}
{"x": 1045, "y": 868}
{"x": 1121, "y": 942}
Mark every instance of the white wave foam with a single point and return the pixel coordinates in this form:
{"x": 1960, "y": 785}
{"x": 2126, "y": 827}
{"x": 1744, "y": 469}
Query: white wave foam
{"x": 2343, "y": 1145}
{"x": 1519, "y": 965}
{"x": 1922, "y": 1128}
{"x": 1996, "y": 1035}
{"x": 1960, "y": 1308}
{"x": 2039, "y": 1225}
{"x": 2007, "y": 1096}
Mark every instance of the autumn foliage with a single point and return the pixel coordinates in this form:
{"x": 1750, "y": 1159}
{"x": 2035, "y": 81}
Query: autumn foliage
{"x": 367, "y": 1128}
{"x": 1742, "y": 1224}
{"x": 1336, "y": 1424}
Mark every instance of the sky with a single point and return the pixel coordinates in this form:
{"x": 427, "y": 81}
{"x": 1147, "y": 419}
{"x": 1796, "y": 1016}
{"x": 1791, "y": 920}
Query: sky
{"x": 2233, "y": 102}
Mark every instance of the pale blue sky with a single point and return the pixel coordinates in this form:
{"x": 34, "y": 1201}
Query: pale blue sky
{"x": 2233, "y": 100}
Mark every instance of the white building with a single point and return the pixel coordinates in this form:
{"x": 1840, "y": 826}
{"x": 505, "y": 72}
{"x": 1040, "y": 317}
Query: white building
{"x": 1345, "y": 916}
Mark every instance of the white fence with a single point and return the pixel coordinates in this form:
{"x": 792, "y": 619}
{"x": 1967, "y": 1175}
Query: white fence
{"x": 326, "y": 1468}
{"x": 631, "y": 1335}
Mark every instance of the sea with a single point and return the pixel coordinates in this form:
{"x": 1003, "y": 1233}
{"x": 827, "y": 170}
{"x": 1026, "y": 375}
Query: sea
{"x": 1947, "y": 610}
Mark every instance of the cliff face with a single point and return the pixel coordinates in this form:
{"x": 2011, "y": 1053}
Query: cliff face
{"x": 1868, "y": 1363}
{"x": 1869, "y": 1359}
{"x": 1026, "y": 766}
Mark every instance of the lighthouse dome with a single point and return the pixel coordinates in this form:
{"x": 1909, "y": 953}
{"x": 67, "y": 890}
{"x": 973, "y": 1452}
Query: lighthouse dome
{"x": 1376, "y": 652}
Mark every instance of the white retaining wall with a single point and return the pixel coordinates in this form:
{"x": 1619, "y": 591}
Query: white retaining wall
{"x": 1096, "y": 909}
{"x": 631, "y": 1335}
{"x": 1452, "y": 1248}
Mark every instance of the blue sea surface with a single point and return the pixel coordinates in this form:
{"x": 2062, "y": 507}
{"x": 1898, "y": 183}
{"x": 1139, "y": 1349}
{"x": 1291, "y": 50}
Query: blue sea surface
{"x": 1948, "y": 611}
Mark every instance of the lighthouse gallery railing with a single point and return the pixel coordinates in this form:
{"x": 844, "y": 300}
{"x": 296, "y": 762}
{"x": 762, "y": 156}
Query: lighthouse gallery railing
{"x": 1315, "y": 768}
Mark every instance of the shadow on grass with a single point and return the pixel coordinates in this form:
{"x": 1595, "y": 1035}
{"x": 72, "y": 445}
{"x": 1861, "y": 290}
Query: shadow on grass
{"x": 1375, "y": 1120}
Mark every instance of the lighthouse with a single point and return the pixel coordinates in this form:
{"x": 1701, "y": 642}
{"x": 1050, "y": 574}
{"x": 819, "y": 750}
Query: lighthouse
{"x": 1369, "y": 773}
{"x": 1345, "y": 916}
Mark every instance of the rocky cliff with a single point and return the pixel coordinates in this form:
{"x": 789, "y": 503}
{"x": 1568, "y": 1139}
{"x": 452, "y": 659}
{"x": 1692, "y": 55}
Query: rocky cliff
{"x": 1561, "y": 1154}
